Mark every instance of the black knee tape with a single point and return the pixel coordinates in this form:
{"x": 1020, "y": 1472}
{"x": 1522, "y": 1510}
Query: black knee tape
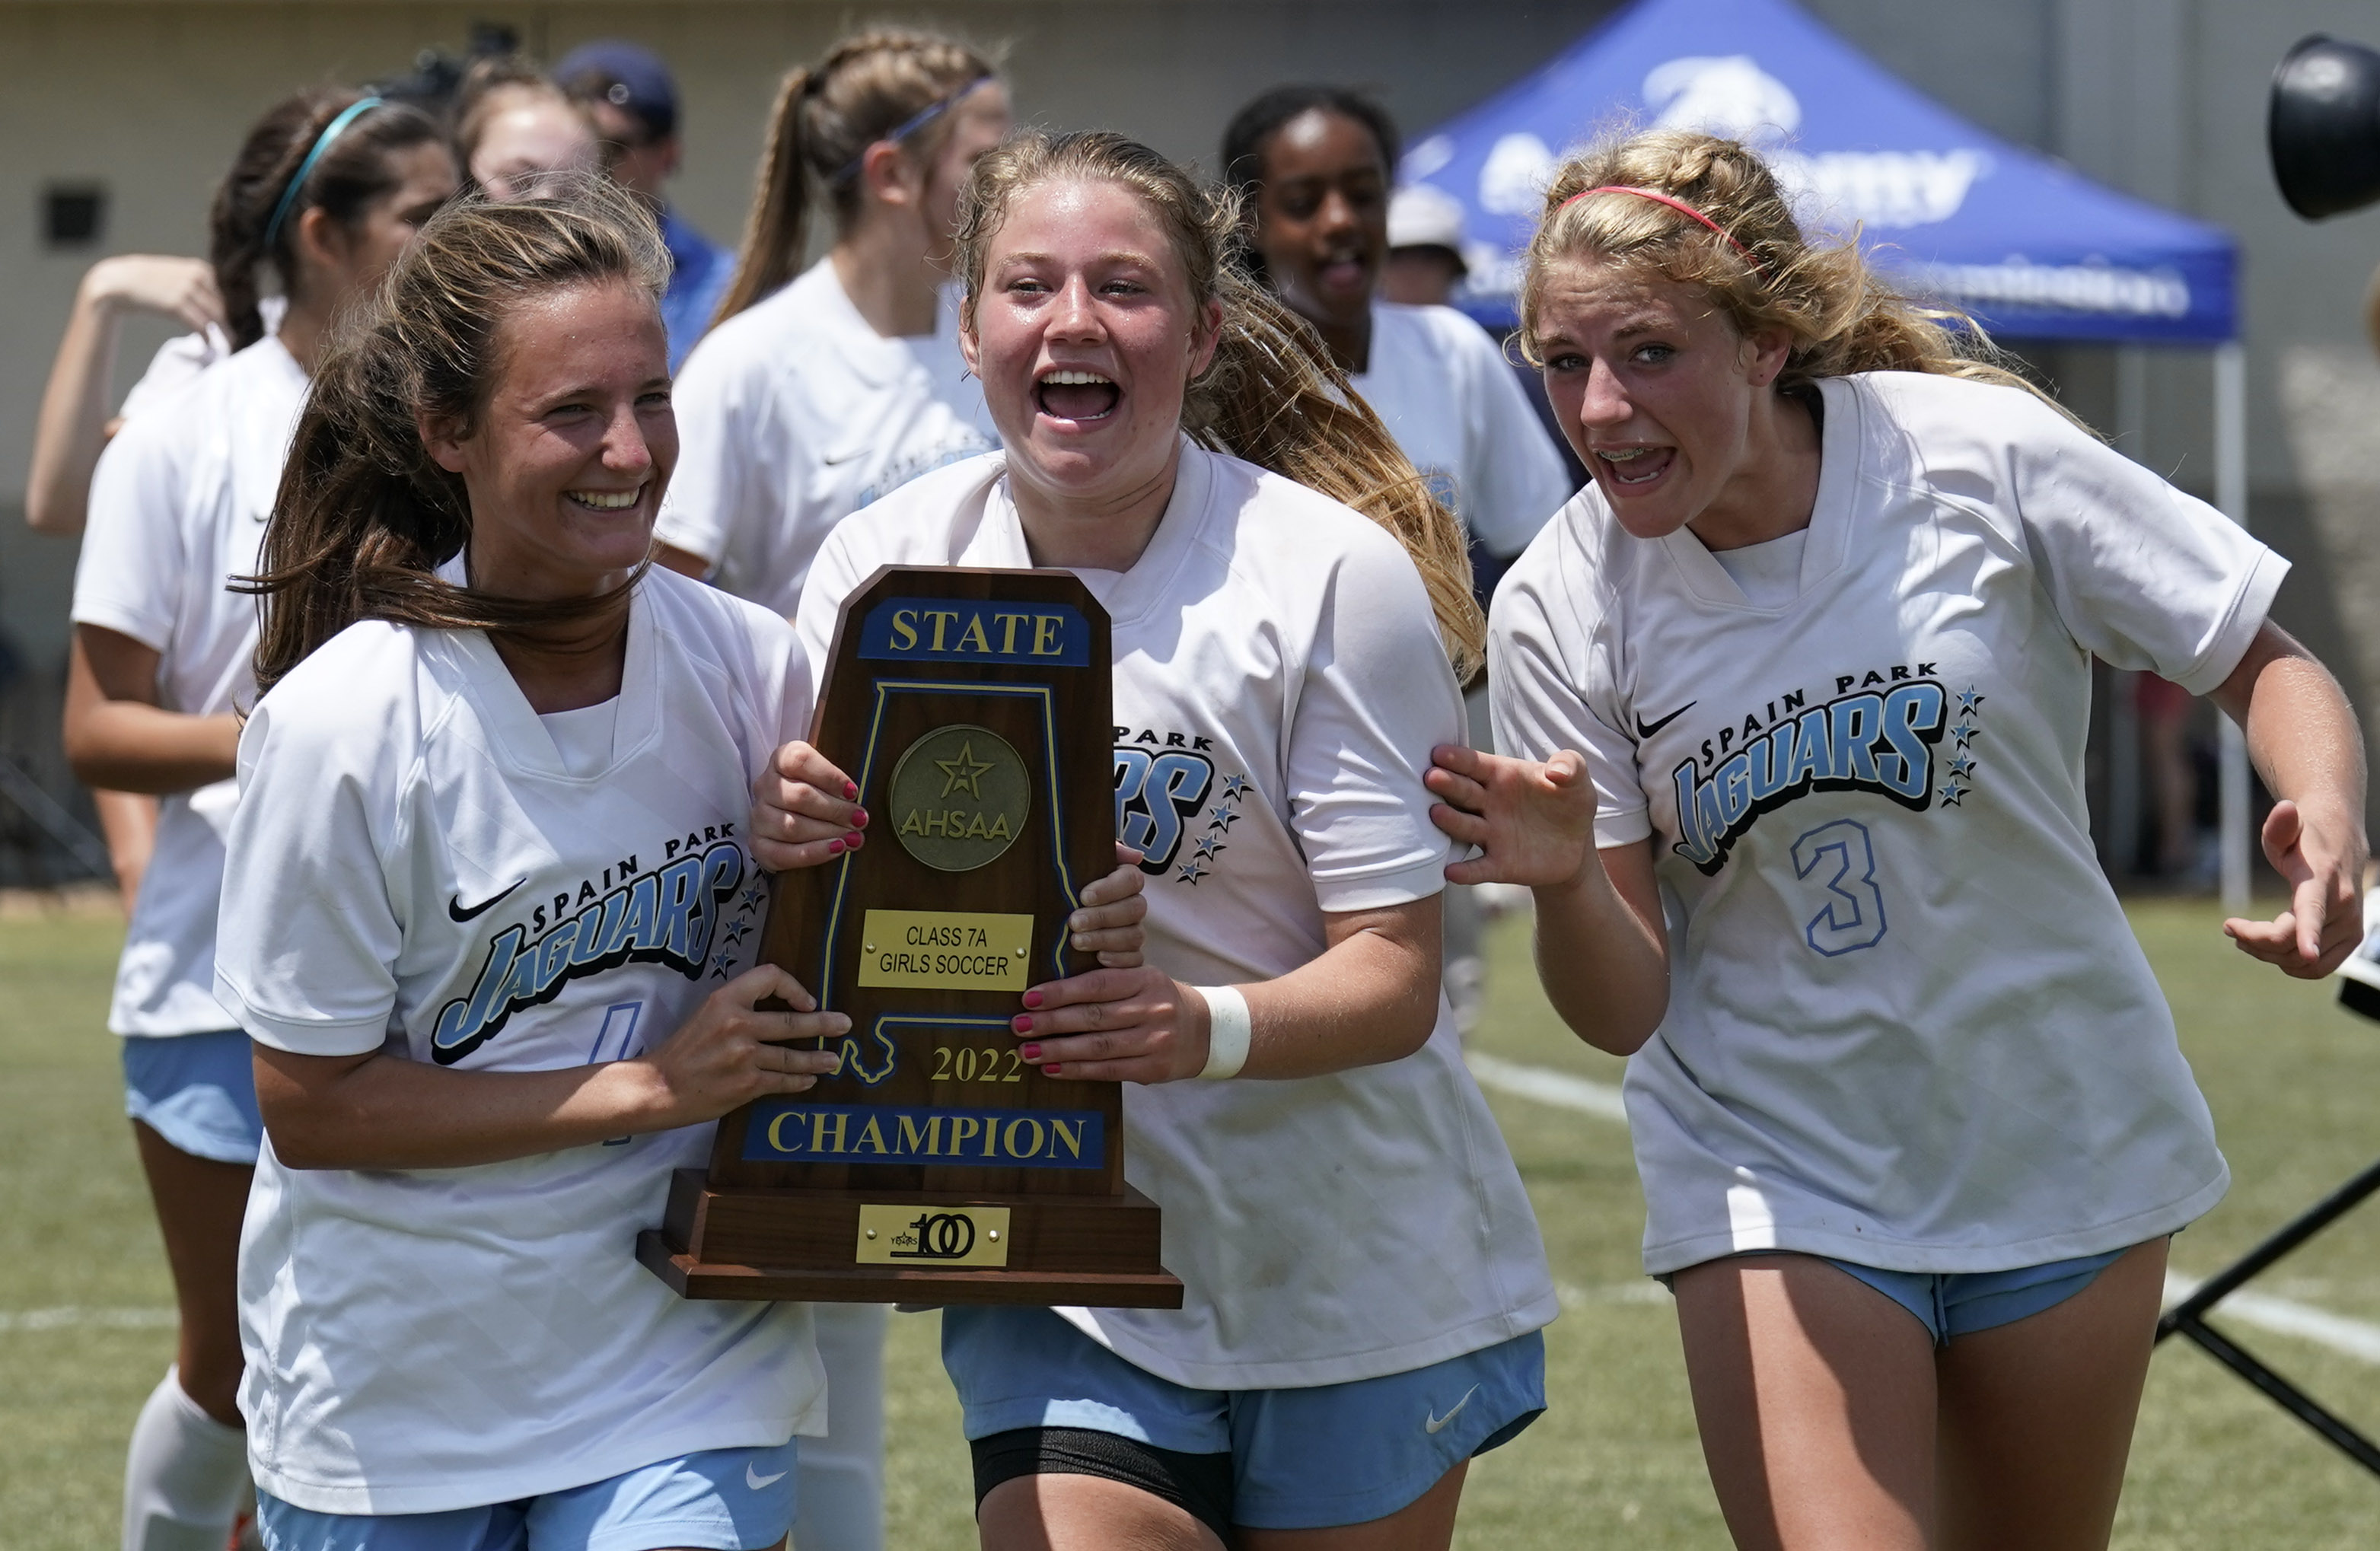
{"x": 1199, "y": 1484}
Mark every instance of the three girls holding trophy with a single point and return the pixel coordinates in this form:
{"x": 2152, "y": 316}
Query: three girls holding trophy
{"x": 1795, "y": 696}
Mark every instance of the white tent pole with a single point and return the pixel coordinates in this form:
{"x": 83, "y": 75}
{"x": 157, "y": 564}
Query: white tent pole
{"x": 2123, "y": 814}
{"x": 2232, "y": 496}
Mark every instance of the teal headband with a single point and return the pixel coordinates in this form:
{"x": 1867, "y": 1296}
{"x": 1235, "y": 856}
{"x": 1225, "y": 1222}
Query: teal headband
{"x": 331, "y": 132}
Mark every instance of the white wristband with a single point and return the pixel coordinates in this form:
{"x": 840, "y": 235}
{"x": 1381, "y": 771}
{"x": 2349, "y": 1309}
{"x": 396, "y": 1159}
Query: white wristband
{"x": 1227, "y": 1031}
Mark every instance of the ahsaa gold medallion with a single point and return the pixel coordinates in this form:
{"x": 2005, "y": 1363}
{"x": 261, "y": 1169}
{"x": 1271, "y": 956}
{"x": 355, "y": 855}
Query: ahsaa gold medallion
{"x": 960, "y": 797}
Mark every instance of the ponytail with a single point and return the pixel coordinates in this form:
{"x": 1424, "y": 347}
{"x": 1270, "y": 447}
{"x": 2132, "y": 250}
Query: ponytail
{"x": 869, "y": 87}
{"x": 776, "y": 231}
{"x": 1272, "y": 395}
{"x": 364, "y": 517}
{"x": 350, "y": 171}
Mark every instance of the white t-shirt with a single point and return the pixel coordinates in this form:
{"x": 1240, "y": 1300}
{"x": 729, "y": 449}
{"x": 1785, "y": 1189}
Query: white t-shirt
{"x": 180, "y": 359}
{"x": 178, "y": 505}
{"x": 796, "y": 412}
{"x": 414, "y": 870}
{"x": 1908, "y": 1024}
{"x": 1437, "y": 381}
{"x": 1279, "y": 685}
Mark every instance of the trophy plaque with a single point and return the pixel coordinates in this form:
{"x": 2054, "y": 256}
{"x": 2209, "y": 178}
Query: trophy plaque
{"x": 933, "y": 1165}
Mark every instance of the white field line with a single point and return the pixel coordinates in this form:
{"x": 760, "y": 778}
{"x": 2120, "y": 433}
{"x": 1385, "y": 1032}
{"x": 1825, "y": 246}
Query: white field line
{"x": 112, "y": 1319}
{"x": 1646, "y": 1291}
{"x": 2352, "y": 1338}
{"x": 1547, "y": 1086}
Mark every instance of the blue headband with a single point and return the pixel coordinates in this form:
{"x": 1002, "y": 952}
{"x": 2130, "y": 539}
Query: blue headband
{"x": 330, "y": 131}
{"x": 908, "y": 127}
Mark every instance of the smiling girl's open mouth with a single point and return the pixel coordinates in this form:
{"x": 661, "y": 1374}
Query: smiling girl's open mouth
{"x": 606, "y": 500}
{"x": 1068, "y": 393}
{"x": 1626, "y": 469}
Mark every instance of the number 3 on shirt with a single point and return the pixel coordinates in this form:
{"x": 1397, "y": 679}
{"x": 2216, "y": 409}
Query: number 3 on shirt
{"x": 1837, "y": 858}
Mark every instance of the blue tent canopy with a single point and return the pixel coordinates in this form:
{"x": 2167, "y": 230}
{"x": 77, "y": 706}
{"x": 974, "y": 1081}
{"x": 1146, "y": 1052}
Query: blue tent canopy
{"x": 2027, "y": 245}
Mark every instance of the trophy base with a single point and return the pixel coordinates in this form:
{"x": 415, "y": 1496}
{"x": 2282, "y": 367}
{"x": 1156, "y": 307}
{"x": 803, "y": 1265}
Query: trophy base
{"x": 823, "y": 1247}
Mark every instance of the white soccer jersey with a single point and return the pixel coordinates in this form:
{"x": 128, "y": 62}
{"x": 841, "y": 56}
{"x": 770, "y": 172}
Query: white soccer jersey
{"x": 1908, "y": 1024}
{"x": 415, "y": 869}
{"x": 796, "y": 412}
{"x": 180, "y": 360}
{"x": 1437, "y": 381}
{"x": 178, "y": 506}
{"x": 1279, "y": 685}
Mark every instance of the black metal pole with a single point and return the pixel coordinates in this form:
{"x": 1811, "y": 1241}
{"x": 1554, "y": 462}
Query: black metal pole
{"x": 2309, "y": 1223}
{"x": 2281, "y": 1392}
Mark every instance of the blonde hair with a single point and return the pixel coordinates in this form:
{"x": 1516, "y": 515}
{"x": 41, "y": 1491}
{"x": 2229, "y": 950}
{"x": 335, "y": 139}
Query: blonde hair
{"x": 826, "y": 116}
{"x": 1272, "y": 394}
{"x": 364, "y": 517}
{"x": 1840, "y": 314}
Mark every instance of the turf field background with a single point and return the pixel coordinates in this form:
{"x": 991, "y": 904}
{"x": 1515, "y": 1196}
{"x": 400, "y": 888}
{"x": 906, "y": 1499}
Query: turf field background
{"x": 2295, "y": 1085}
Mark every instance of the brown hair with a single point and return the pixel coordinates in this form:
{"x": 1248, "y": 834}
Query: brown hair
{"x": 1840, "y": 315}
{"x": 826, "y": 116}
{"x": 489, "y": 88}
{"x": 364, "y": 516}
{"x": 1272, "y": 395}
{"x": 352, "y": 173}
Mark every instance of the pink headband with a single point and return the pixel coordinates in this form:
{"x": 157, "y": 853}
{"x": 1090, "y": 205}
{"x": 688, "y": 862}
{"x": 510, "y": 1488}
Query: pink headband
{"x": 1680, "y": 206}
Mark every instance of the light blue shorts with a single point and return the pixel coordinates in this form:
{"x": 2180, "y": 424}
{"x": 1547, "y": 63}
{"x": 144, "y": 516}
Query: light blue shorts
{"x": 198, "y": 1091}
{"x": 1951, "y": 1305}
{"x": 1301, "y": 1458}
{"x": 722, "y": 1499}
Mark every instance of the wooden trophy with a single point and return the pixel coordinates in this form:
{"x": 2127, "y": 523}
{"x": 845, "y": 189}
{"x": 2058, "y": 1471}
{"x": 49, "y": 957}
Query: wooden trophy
{"x": 933, "y": 1166}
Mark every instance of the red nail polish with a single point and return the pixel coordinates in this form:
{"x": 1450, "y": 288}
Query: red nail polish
{"x": 853, "y": 841}
{"x": 850, "y": 792}
{"x": 835, "y": 848}
{"x": 1022, "y": 1024}
{"x": 859, "y": 818}
{"x": 1033, "y": 998}
{"x": 1050, "y": 1069}
{"x": 1032, "y": 1052}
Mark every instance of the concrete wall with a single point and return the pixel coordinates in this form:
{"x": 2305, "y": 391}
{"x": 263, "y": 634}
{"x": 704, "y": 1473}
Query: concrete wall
{"x": 2162, "y": 97}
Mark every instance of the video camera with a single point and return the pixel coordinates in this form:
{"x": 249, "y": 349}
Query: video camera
{"x": 2324, "y": 128}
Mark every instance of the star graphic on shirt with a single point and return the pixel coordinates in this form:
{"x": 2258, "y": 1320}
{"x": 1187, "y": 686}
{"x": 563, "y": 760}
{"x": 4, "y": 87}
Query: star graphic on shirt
{"x": 1189, "y": 872}
{"x": 963, "y": 772}
{"x": 1962, "y": 733}
{"x": 1961, "y": 766}
{"x": 1952, "y": 791}
{"x": 755, "y": 897}
{"x": 1208, "y": 845}
{"x": 1969, "y": 700}
{"x": 735, "y": 931}
{"x": 718, "y": 964}
{"x": 1234, "y": 787}
{"x": 1223, "y": 819}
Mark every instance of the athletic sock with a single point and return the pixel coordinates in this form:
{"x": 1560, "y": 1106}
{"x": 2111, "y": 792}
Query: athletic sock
{"x": 840, "y": 1503}
{"x": 183, "y": 1474}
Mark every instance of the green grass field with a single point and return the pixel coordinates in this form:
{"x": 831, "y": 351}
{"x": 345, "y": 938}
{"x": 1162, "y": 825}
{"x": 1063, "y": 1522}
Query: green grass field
{"x": 2294, "y": 1082}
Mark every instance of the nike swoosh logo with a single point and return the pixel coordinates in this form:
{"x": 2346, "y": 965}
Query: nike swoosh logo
{"x": 1435, "y": 1422}
{"x": 1646, "y": 729}
{"x": 756, "y": 1481}
{"x": 833, "y": 459}
{"x": 459, "y": 911}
